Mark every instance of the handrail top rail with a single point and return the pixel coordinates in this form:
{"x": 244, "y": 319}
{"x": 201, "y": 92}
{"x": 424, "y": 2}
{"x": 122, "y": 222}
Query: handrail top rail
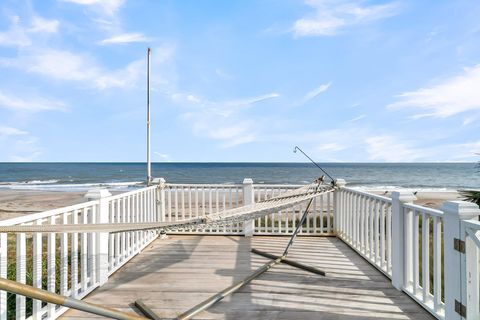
{"x": 430, "y": 211}
{"x": 367, "y": 194}
{"x": 47, "y": 214}
{"x": 472, "y": 224}
{"x": 232, "y": 185}
{"x": 130, "y": 193}
{"x": 272, "y": 185}
{"x": 204, "y": 185}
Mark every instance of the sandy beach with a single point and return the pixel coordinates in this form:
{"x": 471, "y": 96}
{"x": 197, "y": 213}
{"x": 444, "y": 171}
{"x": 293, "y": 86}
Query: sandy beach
{"x": 15, "y": 203}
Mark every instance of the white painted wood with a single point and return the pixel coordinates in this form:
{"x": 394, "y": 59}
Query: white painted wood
{"x": 398, "y": 237}
{"x": 102, "y": 239}
{"x": 248, "y": 199}
{"x": 3, "y": 274}
{"x": 455, "y": 288}
{"x": 437, "y": 265}
{"x": 21, "y": 273}
{"x": 64, "y": 259}
{"x": 37, "y": 271}
{"x": 51, "y": 267}
{"x": 472, "y": 255}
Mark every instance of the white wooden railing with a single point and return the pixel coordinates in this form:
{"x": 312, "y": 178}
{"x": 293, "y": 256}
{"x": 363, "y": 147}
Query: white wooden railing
{"x": 72, "y": 264}
{"x": 432, "y": 255}
{"x": 197, "y": 200}
{"x": 470, "y": 232}
{"x": 364, "y": 222}
{"x": 412, "y": 245}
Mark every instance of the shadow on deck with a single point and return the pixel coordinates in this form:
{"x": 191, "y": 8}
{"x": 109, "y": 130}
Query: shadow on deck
{"x": 175, "y": 274}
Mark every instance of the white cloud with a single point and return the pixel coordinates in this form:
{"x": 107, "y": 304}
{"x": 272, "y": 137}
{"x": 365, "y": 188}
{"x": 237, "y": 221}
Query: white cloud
{"x": 19, "y": 34}
{"x": 41, "y": 25}
{"x": 125, "y": 38}
{"x": 392, "y": 149}
{"x": 332, "y": 16}
{"x": 163, "y": 156}
{"x": 29, "y": 105}
{"x": 17, "y": 145}
{"x": 109, "y": 7}
{"x": 316, "y": 92}
{"x": 360, "y": 117}
{"x": 450, "y": 97}
{"x": 66, "y": 65}
{"x": 9, "y": 131}
{"x": 330, "y": 147}
{"x": 222, "y": 121}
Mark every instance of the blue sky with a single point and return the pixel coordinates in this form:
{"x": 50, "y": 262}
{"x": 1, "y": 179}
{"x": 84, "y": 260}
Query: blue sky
{"x": 347, "y": 80}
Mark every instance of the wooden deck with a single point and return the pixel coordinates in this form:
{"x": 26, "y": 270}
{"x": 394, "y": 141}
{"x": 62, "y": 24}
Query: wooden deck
{"x": 175, "y": 274}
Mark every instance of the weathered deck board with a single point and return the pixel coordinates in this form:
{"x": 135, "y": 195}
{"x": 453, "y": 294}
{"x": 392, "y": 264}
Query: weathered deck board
{"x": 175, "y": 274}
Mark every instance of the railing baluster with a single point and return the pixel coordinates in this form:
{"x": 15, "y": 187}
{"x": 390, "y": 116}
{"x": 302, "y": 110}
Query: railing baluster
{"x": 3, "y": 274}
{"x": 425, "y": 256}
{"x": 51, "y": 268}
{"x": 37, "y": 271}
{"x": 74, "y": 257}
{"x": 437, "y": 264}
{"x": 21, "y": 273}
{"x": 416, "y": 270}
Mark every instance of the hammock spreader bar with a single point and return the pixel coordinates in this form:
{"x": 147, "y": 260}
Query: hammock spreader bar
{"x": 50, "y": 297}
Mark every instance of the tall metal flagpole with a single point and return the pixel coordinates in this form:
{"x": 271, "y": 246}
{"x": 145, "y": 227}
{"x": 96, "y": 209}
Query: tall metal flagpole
{"x": 149, "y": 164}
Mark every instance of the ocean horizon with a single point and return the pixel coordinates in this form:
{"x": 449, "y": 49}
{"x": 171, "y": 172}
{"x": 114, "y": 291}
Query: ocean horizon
{"x": 123, "y": 176}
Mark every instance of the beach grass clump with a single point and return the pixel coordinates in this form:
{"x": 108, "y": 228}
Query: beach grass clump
{"x": 471, "y": 195}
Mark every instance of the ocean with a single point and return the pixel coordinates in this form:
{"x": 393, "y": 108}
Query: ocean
{"x": 126, "y": 176}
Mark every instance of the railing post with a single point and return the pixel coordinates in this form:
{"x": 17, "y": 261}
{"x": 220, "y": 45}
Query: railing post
{"x": 101, "y": 243}
{"x": 3, "y": 274}
{"x": 399, "y": 236}
{"x": 337, "y": 208}
{"x": 160, "y": 198}
{"x": 248, "y": 199}
{"x": 455, "y": 278}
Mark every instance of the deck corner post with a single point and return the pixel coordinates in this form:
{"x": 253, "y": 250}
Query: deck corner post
{"x": 248, "y": 199}
{"x": 160, "y": 201}
{"x": 102, "y": 238}
{"x": 337, "y": 205}
{"x": 399, "y": 198}
{"x": 455, "y": 260}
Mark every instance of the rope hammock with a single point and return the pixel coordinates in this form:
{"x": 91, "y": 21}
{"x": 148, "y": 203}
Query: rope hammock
{"x": 227, "y": 217}
{"x": 244, "y": 213}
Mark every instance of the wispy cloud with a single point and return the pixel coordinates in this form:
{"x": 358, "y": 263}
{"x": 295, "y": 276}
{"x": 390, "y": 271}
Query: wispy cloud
{"x": 126, "y": 38}
{"x": 163, "y": 156}
{"x": 69, "y": 66}
{"x": 19, "y": 34}
{"x": 108, "y": 7}
{"x": 360, "y": 117}
{"x": 316, "y": 92}
{"x": 392, "y": 149}
{"x": 223, "y": 121}
{"x": 332, "y": 16}
{"x": 29, "y": 105}
{"x": 10, "y": 131}
{"x": 18, "y": 145}
{"x": 447, "y": 98}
